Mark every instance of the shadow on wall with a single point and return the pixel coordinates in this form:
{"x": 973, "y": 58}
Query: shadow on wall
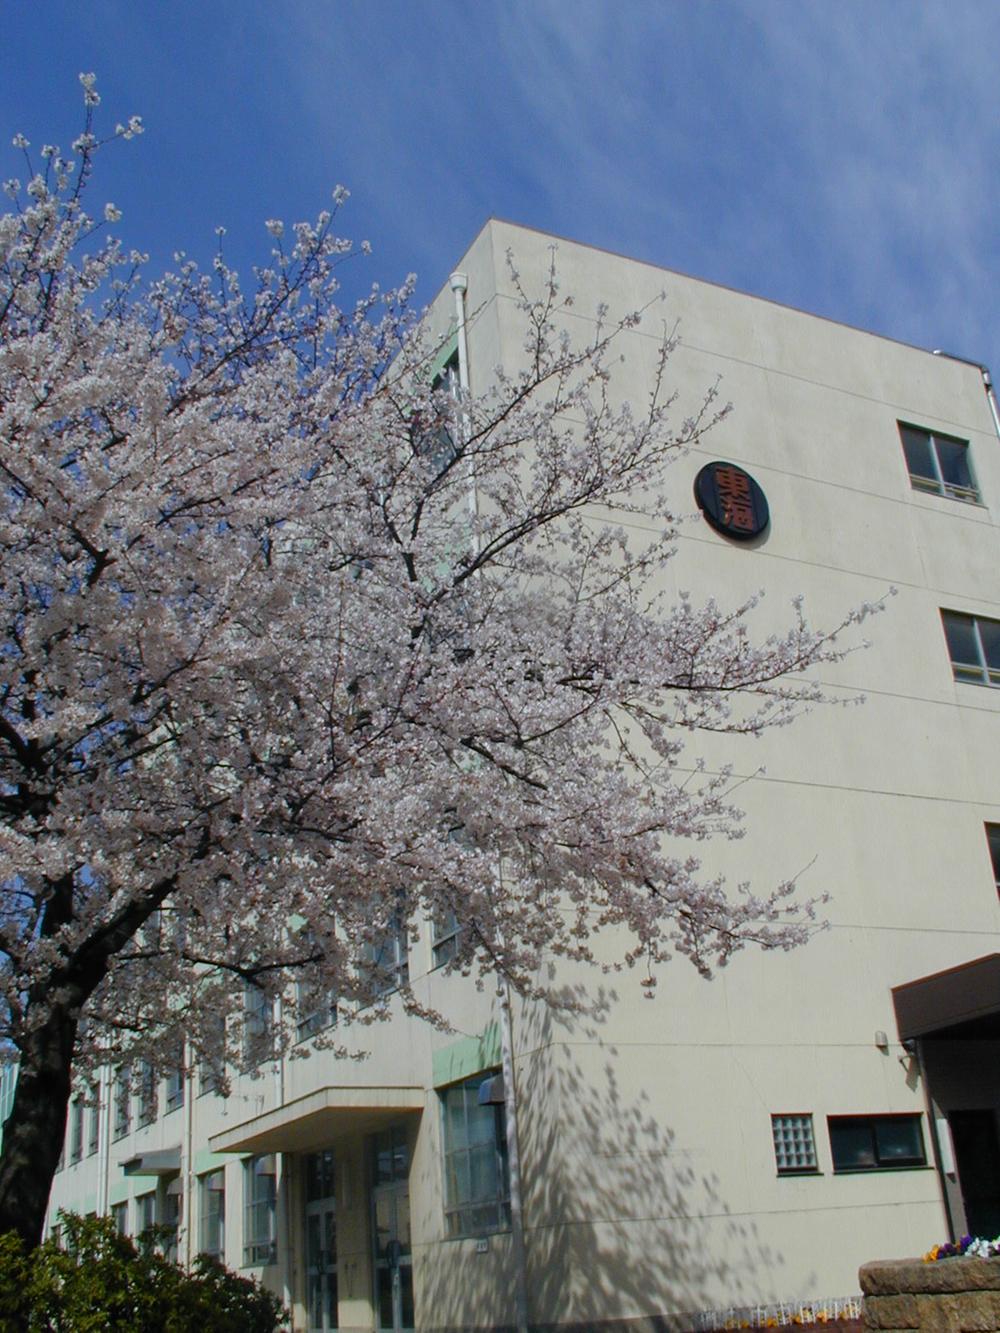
{"x": 627, "y": 1228}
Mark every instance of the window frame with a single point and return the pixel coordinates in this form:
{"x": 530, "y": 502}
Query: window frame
{"x": 173, "y": 1083}
{"x": 971, "y": 673}
{"x": 121, "y": 1099}
{"x": 146, "y": 1094}
{"x": 119, "y": 1217}
{"x": 94, "y": 1131}
{"x": 258, "y": 1025}
{"x": 460, "y": 1218}
{"x": 212, "y": 1221}
{"x": 781, "y": 1120}
{"x": 314, "y": 1012}
{"x": 445, "y": 932}
{"x": 872, "y": 1123}
{"x": 936, "y": 484}
{"x": 385, "y": 961}
{"x": 76, "y": 1131}
{"x": 260, "y": 1211}
{"x": 146, "y": 1212}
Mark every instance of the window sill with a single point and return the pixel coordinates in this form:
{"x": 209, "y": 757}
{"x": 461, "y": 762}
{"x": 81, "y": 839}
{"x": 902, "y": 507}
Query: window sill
{"x": 797, "y": 1175}
{"x": 881, "y": 1170}
{"x": 480, "y": 1235}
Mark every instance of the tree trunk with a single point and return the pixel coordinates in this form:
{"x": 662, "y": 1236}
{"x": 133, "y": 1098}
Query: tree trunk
{"x": 34, "y": 1133}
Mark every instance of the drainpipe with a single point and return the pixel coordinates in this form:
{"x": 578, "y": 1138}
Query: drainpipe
{"x": 187, "y": 1197}
{"x": 460, "y": 285}
{"x": 513, "y": 1160}
{"x": 104, "y": 1139}
{"x": 991, "y": 397}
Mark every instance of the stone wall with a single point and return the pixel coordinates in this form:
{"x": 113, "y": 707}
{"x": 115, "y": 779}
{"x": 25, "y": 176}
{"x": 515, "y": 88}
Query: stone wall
{"x": 948, "y": 1296}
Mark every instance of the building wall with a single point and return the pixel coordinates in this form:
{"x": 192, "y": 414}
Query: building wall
{"x": 649, "y": 1168}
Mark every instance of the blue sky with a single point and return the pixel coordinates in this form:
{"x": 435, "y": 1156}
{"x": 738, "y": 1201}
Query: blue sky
{"x": 842, "y": 156}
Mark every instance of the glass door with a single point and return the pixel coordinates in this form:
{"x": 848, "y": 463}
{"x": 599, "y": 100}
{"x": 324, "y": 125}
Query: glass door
{"x": 321, "y": 1242}
{"x": 393, "y": 1257}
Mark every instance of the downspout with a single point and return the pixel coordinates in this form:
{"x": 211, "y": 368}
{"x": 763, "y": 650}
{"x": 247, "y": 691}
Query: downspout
{"x": 104, "y": 1140}
{"x": 460, "y": 285}
{"x": 513, "y": 1160}
{"x": 991, "y": 397}
{"x": 187, "y": 1197}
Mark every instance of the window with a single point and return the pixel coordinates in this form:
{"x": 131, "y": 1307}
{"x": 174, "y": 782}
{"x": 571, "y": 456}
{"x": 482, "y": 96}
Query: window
{"x": 444, "y": 938}
{"x": 317, "y": 1009}
{"x": 390, "y": 1155}
{"x": 122, "y": 1103}
{"x": 477, "y": 1186}
{"x": 175, "y": 1081}
{"x": 145, "y": 1210}
{"x": 974, "y": 647}
{"x": 794, "y": 1146}
{"x": 260, "y": 1198}
{"x": 431, "y": 436}
{"x": 147, "y": 1094}
{"x": 94, "y": 1137}
{"x": 938, "y": 463}
{"x": 76, "y": 1130}
{"x": 119, "y": 1218}
{"x": 210, "y": 1074}
{"x": 993, "y": 838}
{"x": 173, "y": 1202}
{"x": 258, "y": 1025}
{"x": 386, "y": 965}
{"x": 212, "y": 1199}
{"x": 876, "y": 1142}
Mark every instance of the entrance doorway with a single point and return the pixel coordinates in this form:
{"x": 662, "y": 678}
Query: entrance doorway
{"x": 393, "y": 1256}
{"x": 977, "y": 1157}
{"x": 321, "y": 1242}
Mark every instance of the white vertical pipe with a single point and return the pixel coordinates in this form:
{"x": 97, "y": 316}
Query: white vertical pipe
{"x": 460, "y": 285}
{"x": 103, "y": 1140}
{"x": 187, "y": 1197}
{"x": 513, "y": 1160}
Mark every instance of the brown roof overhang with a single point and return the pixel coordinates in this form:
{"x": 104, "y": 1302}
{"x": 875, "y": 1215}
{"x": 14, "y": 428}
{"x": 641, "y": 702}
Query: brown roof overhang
{"x": 961, "y": 1001}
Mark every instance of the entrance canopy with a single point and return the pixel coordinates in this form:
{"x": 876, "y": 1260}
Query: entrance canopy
{"x": 319, "y": 1119}
{"x": 961, "y": 1003}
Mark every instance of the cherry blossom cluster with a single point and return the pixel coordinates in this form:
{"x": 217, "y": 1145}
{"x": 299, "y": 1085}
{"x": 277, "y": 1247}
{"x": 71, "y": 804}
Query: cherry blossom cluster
{"x": 272, "y": 689}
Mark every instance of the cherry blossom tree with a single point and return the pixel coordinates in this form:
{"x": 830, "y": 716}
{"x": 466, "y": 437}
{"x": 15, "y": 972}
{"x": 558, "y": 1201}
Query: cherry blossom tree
{"x": 271, "y": 688}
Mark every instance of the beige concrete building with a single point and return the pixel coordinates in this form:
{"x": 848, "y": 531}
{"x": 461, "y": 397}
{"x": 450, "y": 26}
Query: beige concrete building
{"x": 732, "y": 1148}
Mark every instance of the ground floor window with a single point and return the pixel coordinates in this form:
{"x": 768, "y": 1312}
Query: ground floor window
{"x": 876, "y": 1142}
{"x": 794, "y": 1147}
{"x": 477, "y": 1185}
{"x": 212, "y": 1206}
{"x": 145, "y": 1211}
{"x": 172, "y": 1205}
{"x": 119, "y": 1218}
{"x": 260, "y": 1210}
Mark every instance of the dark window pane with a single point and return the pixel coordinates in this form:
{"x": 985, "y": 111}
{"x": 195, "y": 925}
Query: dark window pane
{"x": 917, "y": 447}
{"x": 852, "y": 1145}
{"x": 989, "y": 637}
{"x": 899, "y": 1140}
{"x": 993, "y": 836}
{"x": 953, "y": 460}
{"x": 960, "y": 632}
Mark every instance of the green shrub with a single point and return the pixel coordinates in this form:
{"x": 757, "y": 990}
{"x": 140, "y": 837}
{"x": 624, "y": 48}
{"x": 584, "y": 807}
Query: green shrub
{"x": 91, "y": 1280}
